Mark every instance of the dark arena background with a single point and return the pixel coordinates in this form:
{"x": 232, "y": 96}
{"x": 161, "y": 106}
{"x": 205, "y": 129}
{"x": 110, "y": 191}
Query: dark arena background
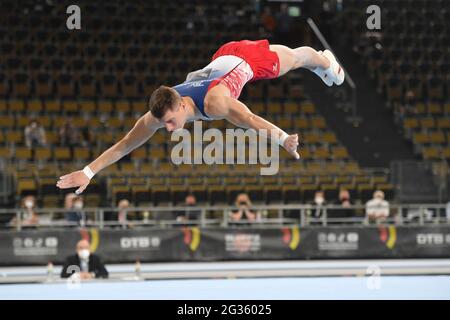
{"x": 363, "y": 214}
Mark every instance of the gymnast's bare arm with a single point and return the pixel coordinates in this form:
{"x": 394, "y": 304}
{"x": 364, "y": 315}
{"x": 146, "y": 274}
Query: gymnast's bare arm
{"x": 143, "y": 130}
{"x": 222, "y": 106}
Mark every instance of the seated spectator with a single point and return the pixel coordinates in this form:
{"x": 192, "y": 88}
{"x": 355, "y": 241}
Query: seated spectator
{"x": 87, "y": 264}
{"x": 69, "y": 135}
{"x": 75, "y": 212}
{"x": 123, "y": 213}
{"x": 35, "y": 135}
{"x": 29, "y": 216}
{"x": 319, "y": 202}
{"x": 244, "y": 211}
{"x": 189, "y": 201}
{"x": 345, "y": 203}
{"x": 377, "y": 209}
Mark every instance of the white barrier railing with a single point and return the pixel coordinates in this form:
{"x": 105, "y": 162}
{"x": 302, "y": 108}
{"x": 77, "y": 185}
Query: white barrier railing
{"x": 303, "y": 215}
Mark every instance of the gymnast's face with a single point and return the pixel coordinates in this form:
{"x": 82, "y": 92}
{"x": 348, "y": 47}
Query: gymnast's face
{"x": 175, "y": 118}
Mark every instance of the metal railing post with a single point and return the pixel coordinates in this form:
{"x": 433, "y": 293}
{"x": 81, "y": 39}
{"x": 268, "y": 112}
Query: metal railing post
{"x": 203, "y": 217}
{"x": 302, "y": 217}
{"x": 421, "y": 213}
{"x": 18, "y": 220}
{"x": 101, "y": 218}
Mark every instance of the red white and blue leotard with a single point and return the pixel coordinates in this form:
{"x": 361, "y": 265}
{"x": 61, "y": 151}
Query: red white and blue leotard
{"x": 233, "y": 65}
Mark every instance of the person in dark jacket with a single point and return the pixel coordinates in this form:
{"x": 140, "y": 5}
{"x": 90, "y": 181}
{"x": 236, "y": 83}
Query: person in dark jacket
{"x": 84, "y": 262}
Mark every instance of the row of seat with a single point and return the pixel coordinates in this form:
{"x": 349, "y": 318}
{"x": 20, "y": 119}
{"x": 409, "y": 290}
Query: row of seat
{"x": 73, "y": 107}
{"x": 217, "y": 193}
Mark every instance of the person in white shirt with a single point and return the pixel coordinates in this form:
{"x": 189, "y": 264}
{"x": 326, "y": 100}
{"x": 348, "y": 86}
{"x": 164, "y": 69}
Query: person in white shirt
{"x": 377, "y": 209}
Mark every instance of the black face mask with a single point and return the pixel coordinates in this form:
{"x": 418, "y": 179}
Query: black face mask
{"x": 345, "y": 199}
{"x": 243, "y": 203}
{"x": 191, "y": 205}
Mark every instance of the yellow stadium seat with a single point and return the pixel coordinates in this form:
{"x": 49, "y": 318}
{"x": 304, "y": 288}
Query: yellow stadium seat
{"x": 291, "y": 108}
{"x": 443, "y": 123}
{"x": 16, "y": 105}
{"x": 22, "y": 122}
{"x": 139, "y": 107}
{"x": 305, "y": 153}
{"x": 301, "y": 123}
{"x": 351, "y": 167}
{"x": 70, "y": 106}
{"x": 78, "y": 122}
{"x": 285, "y": 123}
{"x": 446, "y": 153}
{"x": 447, "y": 108}
{"x": 308, "y": 108}
{"x": 321, "y": 153}
{"x": 434, "y": 109}
{"x": 421, "y": 138}
{"x": 122, "y": 106}
{"x": 318, "y": 122}
{"x": 105, "y": 106}
{"x": 51, "y": 137}
{"x": 52, "y": 106}
{"x": 6, "y": 122}
{"x": 257, "y": 107}
{"x": 379, "y": 179}
{"x": 62, "y": 153}
{"x": 329, "y": 137}
{"x": 427, "y": 123}
{"x": 87, "y": 106}
{"x": 44, "y": 121}
{"x": 339, "y": 153}
{"x": 420, "y": 108}
{"x": 411, "y": 123}
{"x": 115, "y": 123}
{"x": 81, "y": 153}
{"x": 310, "y": 138}
{"x": 437, "y": 137}
{"x": 25, "y": 185}
{"x": 42, "y": 153}
{"x": 140, "y": 153}
{"x": 274, "y": 108}
{"x": 34, "y": 106}
{"x": 431, "y": 153}
{"x": 94, "y": 123}
{"x": 5, "y": 152}
{"x": 23, "y": 153}
{"x": 3, "y": 106}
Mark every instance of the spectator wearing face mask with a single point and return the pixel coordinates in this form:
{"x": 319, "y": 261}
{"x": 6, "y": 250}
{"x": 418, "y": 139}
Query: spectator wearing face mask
{"x": 189, "y": 201}
{"x": 243, "y": 211}
{"x": 319, "y": 202}
{"x": 377, "y": 209}
{"x": 35, "y": 135}
{"x": 87, "y": 264}
{"x": 29, "y": 216}
{"x": 75, "y": 211}
{"x": 345, "y": 204}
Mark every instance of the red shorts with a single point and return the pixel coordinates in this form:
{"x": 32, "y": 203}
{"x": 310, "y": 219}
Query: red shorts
{"x": 264, "y": 63}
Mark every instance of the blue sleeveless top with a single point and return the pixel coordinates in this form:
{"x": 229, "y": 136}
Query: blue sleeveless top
{"x": 198, "y": 82}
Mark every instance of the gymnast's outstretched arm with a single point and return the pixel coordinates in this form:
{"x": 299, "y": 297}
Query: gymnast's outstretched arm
{"x": 143, "y": 130}
{"x": 239, "y": 114}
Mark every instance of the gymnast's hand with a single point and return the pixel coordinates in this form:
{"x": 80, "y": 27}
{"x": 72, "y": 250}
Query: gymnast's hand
{"x": 291, "y": 144}
{"x": 72, "y": 180}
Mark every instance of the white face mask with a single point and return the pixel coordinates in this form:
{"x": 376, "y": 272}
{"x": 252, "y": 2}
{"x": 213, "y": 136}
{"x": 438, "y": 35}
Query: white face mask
{"x": 29, "y": 204}
{"x": 84, "y": 254}
{"x": 319, "y": 200}
{"x": 78, "y": 205}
